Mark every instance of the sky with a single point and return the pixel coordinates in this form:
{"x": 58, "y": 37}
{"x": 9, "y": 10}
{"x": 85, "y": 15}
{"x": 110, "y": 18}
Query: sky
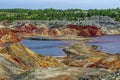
{"x": 60, "y": 4}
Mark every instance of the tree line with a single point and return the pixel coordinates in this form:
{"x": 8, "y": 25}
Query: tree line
{"x": 57, "y": 14}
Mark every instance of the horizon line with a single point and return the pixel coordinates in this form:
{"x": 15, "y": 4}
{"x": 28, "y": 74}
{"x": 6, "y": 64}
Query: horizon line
{"x": 63, "y": 9}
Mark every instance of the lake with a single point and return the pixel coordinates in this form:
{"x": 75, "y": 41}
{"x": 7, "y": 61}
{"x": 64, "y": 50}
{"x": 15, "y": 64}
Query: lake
{"x": 108, "y": 43}
{"x": 50, "y": 48}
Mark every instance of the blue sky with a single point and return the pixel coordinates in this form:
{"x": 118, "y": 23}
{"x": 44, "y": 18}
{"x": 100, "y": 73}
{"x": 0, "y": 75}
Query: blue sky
{"x": 60, "y": 4}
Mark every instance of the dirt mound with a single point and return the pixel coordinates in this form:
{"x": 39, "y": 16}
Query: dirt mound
{"x": 55, "y": 32}
{"x": 27, "y": 28}
{"x": 42, "y": 30}
{"x": 86, "y": 30}
{"x": 8, "y": 36}
{"x": 83, "y": 55}
{"x": 16, "y": 58}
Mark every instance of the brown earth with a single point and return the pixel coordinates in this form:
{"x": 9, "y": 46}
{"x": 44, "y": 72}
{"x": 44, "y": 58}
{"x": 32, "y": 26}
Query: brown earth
{"x": 16, "y": 58}
{"x": 83, "y": 55}
{"x": 8, "y": 36}
{"x": 86, "y": 30}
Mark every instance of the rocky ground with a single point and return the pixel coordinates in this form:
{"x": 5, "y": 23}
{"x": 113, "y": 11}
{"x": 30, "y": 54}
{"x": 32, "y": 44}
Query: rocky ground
{"x": 82, "y": 55}
{"x": 16, "y": 59}
{"x": 62, "y": 73}
{"x": 105, "y": 23}
{"x": 83, "y": 62}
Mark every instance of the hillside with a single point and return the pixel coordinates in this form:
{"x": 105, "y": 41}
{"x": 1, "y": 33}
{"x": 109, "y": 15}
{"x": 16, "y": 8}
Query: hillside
{"x": 16, "y": 59}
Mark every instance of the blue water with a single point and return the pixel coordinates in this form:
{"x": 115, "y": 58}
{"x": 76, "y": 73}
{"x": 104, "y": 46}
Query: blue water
{"x": 49, "y": 48}
{"x": 108, "y": 43}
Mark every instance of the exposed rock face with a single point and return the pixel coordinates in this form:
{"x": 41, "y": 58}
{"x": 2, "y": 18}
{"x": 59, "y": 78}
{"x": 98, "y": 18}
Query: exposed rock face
{"x": 82, "y": 49}
{"x": 4, "y": 31}
{"x": 103, "y": 21}
{"x": 110, "y": 31}
{"x": 90, "y": 64}
{"x": 99, "y": 21}
{"x": 55, "y": 32}
{"x": 21, "y": 55}
{"x": 86, "y": 30}
{"x": 90, "y": 32}
{"x": 28, "y": 58}
{"x": 8, "y": 36}
{"x": 27, "y": 28}
{"x": 16, "y": 58}
{"x": 101, "y": 18}
{"x": 42, "y": 26}
{"x": 7, "y": 68}
{"x": 2, "y": 26}
{"x": 82, "y": 55}
{"x": 69, "y": 31}
{"x": 62, "y": 73}
{"x": 112, "y": 76}
{"x": 24, "y": 29}
{"x": 4, "y": 22}
{"x": 42, "y": 30}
